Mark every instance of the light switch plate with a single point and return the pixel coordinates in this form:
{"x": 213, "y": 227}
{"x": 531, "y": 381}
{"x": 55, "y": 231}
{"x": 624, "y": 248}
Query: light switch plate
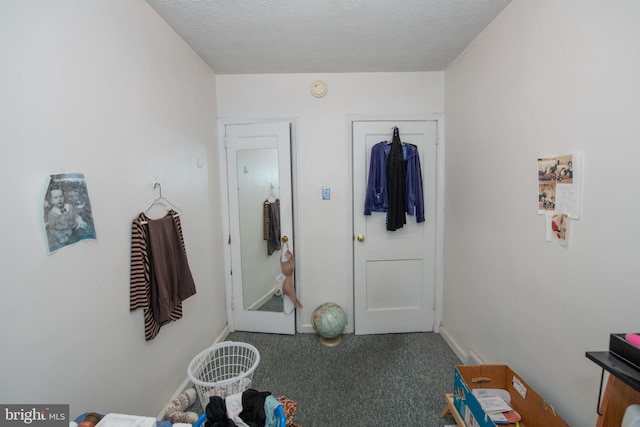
{"x": 326, "y": 193}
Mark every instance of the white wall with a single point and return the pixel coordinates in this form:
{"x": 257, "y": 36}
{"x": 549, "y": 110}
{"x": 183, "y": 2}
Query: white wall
{"x": 324, "y": 235}
{"x": 104, "y": 88}
{"x": 545, "y": 78}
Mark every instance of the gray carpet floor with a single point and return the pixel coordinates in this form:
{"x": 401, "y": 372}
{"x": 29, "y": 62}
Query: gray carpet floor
{"x": 372, "y": 380}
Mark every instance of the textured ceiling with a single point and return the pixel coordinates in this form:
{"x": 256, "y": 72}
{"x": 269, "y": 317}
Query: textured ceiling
{"x": 327, "y": 36}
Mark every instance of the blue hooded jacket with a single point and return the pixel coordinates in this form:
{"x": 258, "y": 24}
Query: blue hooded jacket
{"x": 376, "y": 198}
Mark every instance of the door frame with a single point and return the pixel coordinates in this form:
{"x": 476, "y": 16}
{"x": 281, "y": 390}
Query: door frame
{"x": 224, "y": 206}
{"x": 440, "y": 153}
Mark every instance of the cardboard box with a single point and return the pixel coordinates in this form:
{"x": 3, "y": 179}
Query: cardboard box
{"x": 535, "y": 412}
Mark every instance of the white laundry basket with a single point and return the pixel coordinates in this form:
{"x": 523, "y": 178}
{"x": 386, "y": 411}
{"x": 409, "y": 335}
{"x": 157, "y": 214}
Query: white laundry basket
{"x": 223, "y": 369}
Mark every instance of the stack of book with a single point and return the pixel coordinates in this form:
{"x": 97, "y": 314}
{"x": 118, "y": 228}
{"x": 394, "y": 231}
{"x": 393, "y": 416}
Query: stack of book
{"x": 495, "y": 403}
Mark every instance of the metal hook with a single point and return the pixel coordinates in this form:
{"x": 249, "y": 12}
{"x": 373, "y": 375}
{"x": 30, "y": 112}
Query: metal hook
{"x": 157, "y": 185}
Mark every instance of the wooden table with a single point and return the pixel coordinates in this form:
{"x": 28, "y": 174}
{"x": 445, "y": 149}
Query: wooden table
{"x": 622, "y": 390}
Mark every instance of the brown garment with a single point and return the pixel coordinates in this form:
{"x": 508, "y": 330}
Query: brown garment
{"x": 171, "y": 280}
{"x": 142, "y": 272}
{"x": 271, "y": 225}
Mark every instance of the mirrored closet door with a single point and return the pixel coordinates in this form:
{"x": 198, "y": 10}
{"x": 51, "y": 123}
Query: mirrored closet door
{"x": 261, "y": 224}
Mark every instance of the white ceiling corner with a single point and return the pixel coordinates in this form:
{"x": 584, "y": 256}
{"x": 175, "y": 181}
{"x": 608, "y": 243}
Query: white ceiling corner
{"x": 327, "y": 36}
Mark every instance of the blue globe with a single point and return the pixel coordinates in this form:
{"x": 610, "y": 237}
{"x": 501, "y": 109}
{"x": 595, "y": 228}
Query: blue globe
{"x": 329, "y": 320}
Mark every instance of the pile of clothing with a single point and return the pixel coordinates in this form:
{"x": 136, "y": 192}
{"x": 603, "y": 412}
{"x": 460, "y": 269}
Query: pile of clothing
{"x": 251, "y": 408}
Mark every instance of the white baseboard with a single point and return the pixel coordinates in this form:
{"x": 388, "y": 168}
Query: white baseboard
{"x": 474, "y": 359}
{"x": 452, "y": 343}
{"x": 265, "y": 298}
{"x": 186, "y": 384}
{"x": 470, "y": 357}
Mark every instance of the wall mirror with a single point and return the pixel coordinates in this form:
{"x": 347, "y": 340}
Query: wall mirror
{"x": 259, "y": 216}
{"x": 258, "y": 163}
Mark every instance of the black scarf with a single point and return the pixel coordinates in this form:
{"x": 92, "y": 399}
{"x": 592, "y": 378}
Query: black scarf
{"x": 396, "y": 181}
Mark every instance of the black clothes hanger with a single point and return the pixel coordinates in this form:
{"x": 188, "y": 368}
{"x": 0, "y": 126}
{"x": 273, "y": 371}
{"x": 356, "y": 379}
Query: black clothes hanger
{"x": 396, "y": 135}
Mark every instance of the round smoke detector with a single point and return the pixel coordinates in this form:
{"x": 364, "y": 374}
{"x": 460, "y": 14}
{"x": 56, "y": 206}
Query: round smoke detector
{"x": 318, "y": 89}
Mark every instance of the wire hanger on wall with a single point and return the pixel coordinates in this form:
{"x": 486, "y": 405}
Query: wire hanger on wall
{"x": 271, "y": 197}
{"x": 163, "y": 202}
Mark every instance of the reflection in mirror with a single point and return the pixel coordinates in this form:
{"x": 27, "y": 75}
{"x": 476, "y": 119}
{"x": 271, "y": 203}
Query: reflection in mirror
{"x": 258, "y": 195}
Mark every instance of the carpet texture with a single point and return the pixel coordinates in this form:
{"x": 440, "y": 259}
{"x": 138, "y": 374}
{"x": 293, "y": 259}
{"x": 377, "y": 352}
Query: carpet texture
{"x": 371, "y": 380}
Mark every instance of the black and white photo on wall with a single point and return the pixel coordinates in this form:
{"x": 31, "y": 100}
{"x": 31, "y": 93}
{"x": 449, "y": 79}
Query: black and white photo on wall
{"x": 67, "y": 211}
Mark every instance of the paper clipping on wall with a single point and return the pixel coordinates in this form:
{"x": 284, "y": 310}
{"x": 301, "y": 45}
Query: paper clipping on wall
{"x": 67, "y": 211}
{"x": 557, "y": 227}
{"x": 559, "y": 185}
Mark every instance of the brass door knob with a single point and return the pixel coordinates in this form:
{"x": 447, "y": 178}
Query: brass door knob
{"x": 360, "y": 237}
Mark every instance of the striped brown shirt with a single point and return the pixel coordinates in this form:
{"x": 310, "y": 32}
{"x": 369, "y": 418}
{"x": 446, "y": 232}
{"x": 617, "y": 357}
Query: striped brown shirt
{"x": 141, "y": 280}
